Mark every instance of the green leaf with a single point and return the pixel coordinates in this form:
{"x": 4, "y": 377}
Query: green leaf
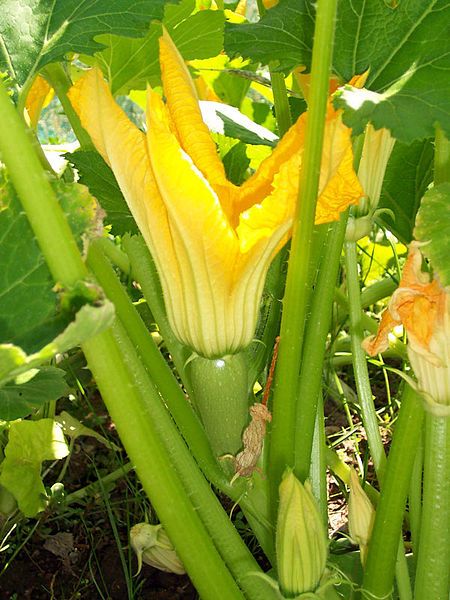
{"x": 231, "y": 87}
{"x": 34, "y": 33}
{"x": 130, "y": 64}
{"x": 283, "y": 35}
{"x": 433, "y": 228}
{"x": 30, "y": 443}
{"x": 20, "y": 398}
{"x": 27, "y": 300}
{"x": 406, "y": 48}
{"x": 236, "y": 163}
{"x": 98, "y": 177}
{"x": 408, "y": 175}
{"x": 29, "y": 315}
{"x": 198, "y": 36}
{"x": 74, "y": 429}
{"x": 89, "y": 321}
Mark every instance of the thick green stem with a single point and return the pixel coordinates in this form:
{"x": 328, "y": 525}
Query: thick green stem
{"x": 139, "y": 434}
{"x": 282, "y": 445}
{"x": 124, "y": 403}
{"x": 415, "y": 498}
{"x": 61, "y": 83}
{"x": 315, "y": 341}
{"x": 432, "y": 576}
{"x": 384, "y": 542}
{"x": 37, "y": 197}
{"x": 368, "y": 412}
{"x": 318, "y": 469}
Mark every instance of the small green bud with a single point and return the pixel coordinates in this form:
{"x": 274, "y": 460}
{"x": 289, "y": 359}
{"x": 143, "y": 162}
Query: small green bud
{"x": 361, "y": 515}
{"x": 152, "y": 546}
{"x": 301, "y": 540}
{"x": 358, "y": 227}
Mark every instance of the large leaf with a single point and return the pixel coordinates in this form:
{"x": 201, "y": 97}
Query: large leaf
{"x": 406, "y": 48}
{"x": 29, "y": 315}
{"x": 408, "y": 175}
{"x": 31, "y": 390}
{"x": 433, "y": 228}
{"x": 34, "y": 33}
{"x": 130, "y": 64}
{"x": 30, "y": 443}
{"x": 283, "y": 35}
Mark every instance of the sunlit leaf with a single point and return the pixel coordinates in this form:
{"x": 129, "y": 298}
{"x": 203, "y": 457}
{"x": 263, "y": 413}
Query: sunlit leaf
{"x": 131, "y": 64}
{"x": 30, "y": 443}
{"x": 34, "y": 33}
{"x": 406, "y": 46}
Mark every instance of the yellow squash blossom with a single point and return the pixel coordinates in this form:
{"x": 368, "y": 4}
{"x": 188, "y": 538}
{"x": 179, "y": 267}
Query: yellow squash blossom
{"x": 422, "y": 305}
{"x": 212, "y": 241}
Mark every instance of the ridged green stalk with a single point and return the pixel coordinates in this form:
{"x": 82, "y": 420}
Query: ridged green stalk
{"x": 310, "y": 381}
{"x": 384, "y": 542}
{"x": 368, "y": 412}
{"x": 282, "y": 444}
{"x": 433, "y": 561}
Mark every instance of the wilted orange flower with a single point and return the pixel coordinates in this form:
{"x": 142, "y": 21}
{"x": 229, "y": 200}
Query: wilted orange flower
{"x": 212, "y": 241}
{"x": 422, "y": 305}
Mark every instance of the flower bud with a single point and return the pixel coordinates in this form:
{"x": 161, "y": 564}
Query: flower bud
{"x": 378, "y": 145}
{"x": 152, "y": 546}
{"x": 361, "y": 515}
{"x": 301, "y": 541}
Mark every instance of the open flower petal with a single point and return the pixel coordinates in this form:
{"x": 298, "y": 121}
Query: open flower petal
{"x": 205, "y": 246}
{"x": 212, "y": 241}
{"x": 185, "y": 114}
{"x": 339, "y": 186}
{"x": 124, "y": 148}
